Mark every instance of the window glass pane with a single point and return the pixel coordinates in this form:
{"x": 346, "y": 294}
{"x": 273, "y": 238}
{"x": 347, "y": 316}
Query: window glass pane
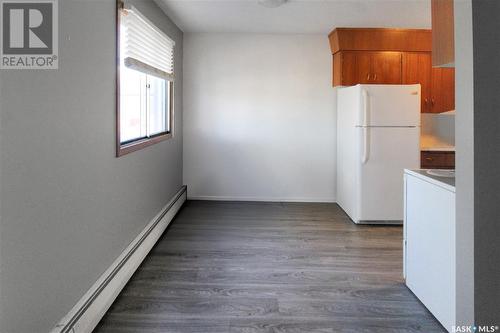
{"x": 168, "y": 104}
{"x": 144, "y": 101}
{"x": 132, "y": 105}
{"x": 157, "y": 105}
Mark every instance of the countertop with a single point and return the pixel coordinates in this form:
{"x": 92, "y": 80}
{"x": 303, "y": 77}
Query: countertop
{"x": 452, "y": 149}
{"x": 444, "y": 182}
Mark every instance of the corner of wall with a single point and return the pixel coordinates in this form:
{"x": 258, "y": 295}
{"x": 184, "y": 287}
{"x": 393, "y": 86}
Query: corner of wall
{"x": 464, "y": 134}
{"x": 1, "y": 221}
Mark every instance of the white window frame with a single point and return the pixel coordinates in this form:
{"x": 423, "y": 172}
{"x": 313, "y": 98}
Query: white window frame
{"x": 123, "y": 148}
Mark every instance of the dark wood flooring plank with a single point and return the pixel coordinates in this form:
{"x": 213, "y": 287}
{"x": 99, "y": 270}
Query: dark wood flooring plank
{"x": 333, "y": 325}
{"x": 358, "y": 293}
{"x": 270, "y": 267}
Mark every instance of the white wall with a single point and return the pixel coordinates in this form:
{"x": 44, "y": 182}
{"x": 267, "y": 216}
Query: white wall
{"x": 69, "y": 207}
{"x": 259, "y": 116}
{"x": 438, "y": 130}
{"x": 464, "y": 122}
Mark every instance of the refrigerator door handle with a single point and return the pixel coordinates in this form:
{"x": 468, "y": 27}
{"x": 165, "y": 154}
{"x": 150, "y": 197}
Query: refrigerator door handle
{"x": 366, "y": 129}
{"x": 366, "y": 145}
{"x": 366, "y": 106}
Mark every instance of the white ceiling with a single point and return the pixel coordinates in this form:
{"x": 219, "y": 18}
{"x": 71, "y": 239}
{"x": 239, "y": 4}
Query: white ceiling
{"x": 296, "y": 16}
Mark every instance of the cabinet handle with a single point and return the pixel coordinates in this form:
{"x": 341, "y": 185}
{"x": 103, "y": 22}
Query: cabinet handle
{"x": 368, "y": 77}
{"x": 375, "y": 77}
{"x": 429, "y": 159}
{"x": 432, "y": 101}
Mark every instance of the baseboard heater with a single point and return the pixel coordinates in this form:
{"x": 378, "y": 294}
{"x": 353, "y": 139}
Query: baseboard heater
{"x": 89, "y": 310}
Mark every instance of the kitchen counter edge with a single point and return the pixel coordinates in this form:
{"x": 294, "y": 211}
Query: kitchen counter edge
{"x": 445, "y": 183}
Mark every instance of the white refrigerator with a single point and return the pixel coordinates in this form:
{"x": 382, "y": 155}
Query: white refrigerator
{"x": 378, "y": 136}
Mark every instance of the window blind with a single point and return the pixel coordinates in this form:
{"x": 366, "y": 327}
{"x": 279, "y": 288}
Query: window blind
{"x": 144, "y": 47}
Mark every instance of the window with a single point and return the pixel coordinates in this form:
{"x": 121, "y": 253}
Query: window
{"x": 145, "y": 82}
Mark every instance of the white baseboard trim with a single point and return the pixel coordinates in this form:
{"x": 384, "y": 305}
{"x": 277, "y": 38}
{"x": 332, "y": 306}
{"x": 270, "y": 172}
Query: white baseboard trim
{"x": 261, "y": 199}
{"x": 89, "y": 310}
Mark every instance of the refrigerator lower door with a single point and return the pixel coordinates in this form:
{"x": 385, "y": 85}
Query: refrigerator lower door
{"x": 384, "y": 154}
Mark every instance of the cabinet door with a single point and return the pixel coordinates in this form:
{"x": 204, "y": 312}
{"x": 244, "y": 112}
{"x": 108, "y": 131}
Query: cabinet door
{"x": 448, "y": 88}
{"x": 417, "y": 68}
{"x": 443, "y": 35}
{"x": 442, "y": 90}
{"x": 337, "y": 69}
{"x": 360, "y": 67}
{"x": 385, "y": 67}
{"x": 355, "y": 68}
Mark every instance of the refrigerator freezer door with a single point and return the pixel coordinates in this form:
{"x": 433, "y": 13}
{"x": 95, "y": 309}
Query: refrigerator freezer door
{"x": 389, "y": 151}
{"x": 389, "y": 105}
{"x": 349, "y": 104}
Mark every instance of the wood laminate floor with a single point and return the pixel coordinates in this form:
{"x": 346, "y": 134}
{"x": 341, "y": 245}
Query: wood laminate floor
{"x": 270, "y": 267}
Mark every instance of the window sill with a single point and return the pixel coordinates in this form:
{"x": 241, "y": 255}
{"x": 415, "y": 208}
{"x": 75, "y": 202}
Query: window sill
{"x": 124, "y": 149}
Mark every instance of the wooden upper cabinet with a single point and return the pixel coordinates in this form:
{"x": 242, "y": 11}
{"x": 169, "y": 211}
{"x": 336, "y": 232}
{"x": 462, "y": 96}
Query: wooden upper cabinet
{"x": 374, "y": 55}
{"x": 443, "y": 90}
{"x": 380, "y": 39}
{"x": 351, "y": 68}
{"x": 437, "y": 84}
{"x": 392, "y": 56}
{"x": 417, "y": 69}
{"x": 386, "y": 67}
{"x": 363, "y": 66}
{"x": 337, "y": 69}
{"x": 355, "y": 67}
{"x": 443, "y": 36}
